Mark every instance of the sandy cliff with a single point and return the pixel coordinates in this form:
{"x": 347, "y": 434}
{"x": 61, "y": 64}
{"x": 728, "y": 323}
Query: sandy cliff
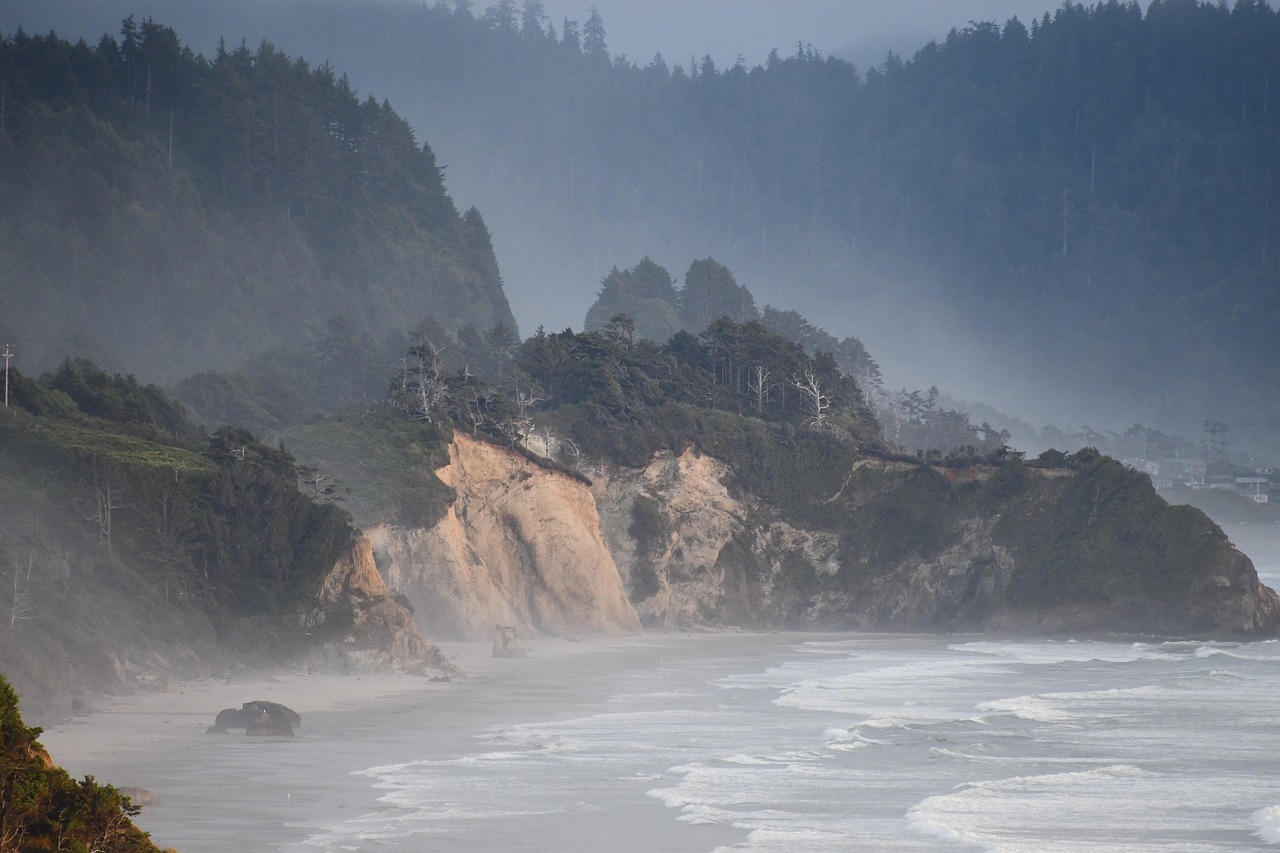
{"x": 520, "y": 546}
{"x": 381, "y": 634}
{"x": 694, "y": 553}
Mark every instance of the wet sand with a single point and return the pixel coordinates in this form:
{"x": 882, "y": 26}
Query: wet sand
{"x": 221, "y": 792}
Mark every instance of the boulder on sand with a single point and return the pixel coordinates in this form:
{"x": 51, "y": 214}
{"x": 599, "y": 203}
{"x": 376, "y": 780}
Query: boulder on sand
{"x": 258, "y": 717}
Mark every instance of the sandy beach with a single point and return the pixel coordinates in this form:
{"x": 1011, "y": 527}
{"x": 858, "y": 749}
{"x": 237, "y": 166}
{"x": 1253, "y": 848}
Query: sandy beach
{"x": 217, "y": 792}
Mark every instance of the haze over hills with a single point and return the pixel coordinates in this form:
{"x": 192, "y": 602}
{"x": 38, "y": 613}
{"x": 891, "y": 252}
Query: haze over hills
{"x": 168, "y": 213}
{"x": 1072, "y": 218}
{"x": 1062, "y": 209}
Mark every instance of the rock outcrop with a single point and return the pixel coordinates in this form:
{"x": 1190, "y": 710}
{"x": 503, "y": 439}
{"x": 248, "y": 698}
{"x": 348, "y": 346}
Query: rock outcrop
{"x": 520, "y": 546}
{"x": 379, "y": 632}
{"x": 904, "y": 546}
{"x": 505, "y": 644}
{"x": 692, "y": 553}
{"x": 1080, "y": 545}
{"x": 259, "y": 717}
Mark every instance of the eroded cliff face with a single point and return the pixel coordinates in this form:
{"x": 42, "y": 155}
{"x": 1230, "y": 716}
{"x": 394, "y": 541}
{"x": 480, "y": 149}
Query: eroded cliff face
{"x": 694, "y": 553}
{"x": 377, "y": 631}
{"x": 916, "y": 547}
{"x": 520, "y": 546}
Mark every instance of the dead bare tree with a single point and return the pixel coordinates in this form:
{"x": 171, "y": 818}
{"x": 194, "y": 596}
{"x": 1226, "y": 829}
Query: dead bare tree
{"x": 526, "y": 399}
{"x": 573, "y": 452}
{"x": 107, "y": 491}
{"x": 816, "y": 401}
{"x": 760, "y": 387}
{"x": 422, "y": 380}
{"x": 21, "y": 609}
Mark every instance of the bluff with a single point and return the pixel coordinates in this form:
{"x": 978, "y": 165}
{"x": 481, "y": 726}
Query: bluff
{"x": 519, "y": 546}
{"x": 1076, "y": 546}
{"x": 1084, "y": 548}
{"x": 723, "y": 495}
{"x": 135, "y": 549}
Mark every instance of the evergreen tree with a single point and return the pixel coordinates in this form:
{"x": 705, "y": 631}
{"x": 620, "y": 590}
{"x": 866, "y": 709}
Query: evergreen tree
{"x": 593, "y": 43}
{"x": 710, "y": 292}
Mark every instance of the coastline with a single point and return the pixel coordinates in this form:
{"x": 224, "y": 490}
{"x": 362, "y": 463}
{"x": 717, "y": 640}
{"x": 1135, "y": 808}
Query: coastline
{"x": 218, "y": 792}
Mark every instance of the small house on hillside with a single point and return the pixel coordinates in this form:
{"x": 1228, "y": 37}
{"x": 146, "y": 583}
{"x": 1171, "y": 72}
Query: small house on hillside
{"x": 1256, "y": 488}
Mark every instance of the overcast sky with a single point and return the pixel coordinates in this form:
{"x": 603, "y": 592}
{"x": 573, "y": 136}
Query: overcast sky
{"x": 751, "y": 28}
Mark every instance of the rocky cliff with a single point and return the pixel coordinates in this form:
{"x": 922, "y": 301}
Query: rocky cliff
{"x": 520, "y": 545}
{"x": 378, "y": 631}
{"x": 693, "y": 553}
{"x": 1085, "y": 548}
{"x": 1080, "y": 545}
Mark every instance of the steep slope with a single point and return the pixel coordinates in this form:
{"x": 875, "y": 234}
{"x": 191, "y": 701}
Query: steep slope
{"x": 133, "y": 550}
{"x": 519, "y": 546}
{"x": 167, "y": 213}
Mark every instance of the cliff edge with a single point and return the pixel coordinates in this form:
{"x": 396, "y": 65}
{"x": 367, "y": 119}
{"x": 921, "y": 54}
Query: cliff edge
{"x": 520, "y": 545}
{"x": 1086, "y": 548}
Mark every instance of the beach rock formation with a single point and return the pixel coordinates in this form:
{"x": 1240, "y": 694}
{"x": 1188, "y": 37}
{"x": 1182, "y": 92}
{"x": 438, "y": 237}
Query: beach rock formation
{"x": 380, "y": 632}
{"x": 137, "y": 796}
{"x": 259, "y": 717}
{"x": 520, "y": 546}
{"x": 231, "y": 718}
{"x": 267, "y": 719}
{"x": 505, "y": 644}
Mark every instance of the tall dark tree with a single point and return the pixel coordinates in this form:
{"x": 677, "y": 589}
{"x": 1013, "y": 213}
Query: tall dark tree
{"x": 711, "y": 292}
{"x": 593, "y": 43}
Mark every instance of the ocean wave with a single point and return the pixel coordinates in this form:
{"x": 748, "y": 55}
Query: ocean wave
{"x": 1050, "y": 707}
{"x": 974, "y": 812}
{"x": 1037, "y": 709}
{"x": 1266, "y": 824}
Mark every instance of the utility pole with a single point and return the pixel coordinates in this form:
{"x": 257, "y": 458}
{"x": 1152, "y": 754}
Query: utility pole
{"x": 8, "y": 354}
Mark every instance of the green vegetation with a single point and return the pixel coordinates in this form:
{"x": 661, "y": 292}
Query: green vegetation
{"x": 1107, "y": 535}
{"x": 125, "y": 542}
{"x": 203, "y": 209}
{"x": 381, "y": 462}
{"x": 43, "y": 808}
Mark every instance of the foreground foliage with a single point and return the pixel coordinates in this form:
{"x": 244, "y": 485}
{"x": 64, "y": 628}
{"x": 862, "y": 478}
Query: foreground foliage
{"x": 43, "y": 808}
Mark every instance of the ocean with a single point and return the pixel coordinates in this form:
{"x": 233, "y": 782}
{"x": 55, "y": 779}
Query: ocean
{"x": 869, "y": 742}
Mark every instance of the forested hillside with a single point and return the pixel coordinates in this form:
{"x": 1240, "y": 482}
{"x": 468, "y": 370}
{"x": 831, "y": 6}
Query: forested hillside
{"x": 134, "y": 547}
{"x": 1083, "y": 207}
{"x": 1089, "y": 199}
{"x": 167, "y": 213}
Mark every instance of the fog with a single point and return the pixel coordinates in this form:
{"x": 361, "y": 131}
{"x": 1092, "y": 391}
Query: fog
{"x": 553, "y": 255}
{"x": 860, "y": 31}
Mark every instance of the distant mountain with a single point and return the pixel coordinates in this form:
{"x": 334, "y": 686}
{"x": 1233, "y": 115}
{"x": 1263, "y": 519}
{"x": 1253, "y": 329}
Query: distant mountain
{"x": 168, "y": 213}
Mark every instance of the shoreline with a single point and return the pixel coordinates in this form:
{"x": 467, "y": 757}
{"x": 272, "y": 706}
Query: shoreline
{"x": 217, "y": 791}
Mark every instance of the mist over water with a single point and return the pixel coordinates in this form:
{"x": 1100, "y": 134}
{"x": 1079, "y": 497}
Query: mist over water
{"x": 883, "y": 742}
